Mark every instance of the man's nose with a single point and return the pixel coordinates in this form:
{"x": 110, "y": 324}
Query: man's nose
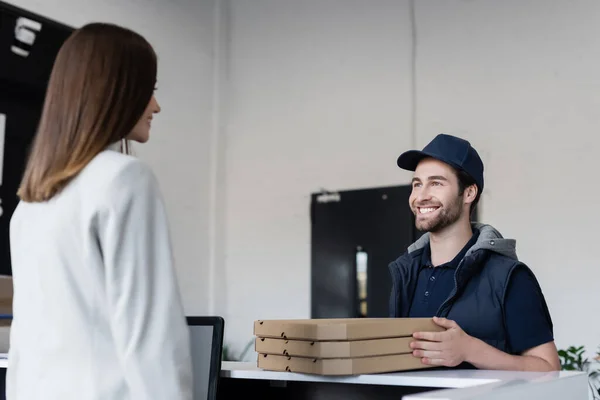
{"x": 423, "y": 195}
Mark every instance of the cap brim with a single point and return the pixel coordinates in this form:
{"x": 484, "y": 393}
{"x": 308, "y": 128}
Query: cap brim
{"x": 410, "y": 159}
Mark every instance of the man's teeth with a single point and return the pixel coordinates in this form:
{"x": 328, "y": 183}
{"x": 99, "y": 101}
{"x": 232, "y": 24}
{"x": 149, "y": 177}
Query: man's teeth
{"x": 427, "y": 210}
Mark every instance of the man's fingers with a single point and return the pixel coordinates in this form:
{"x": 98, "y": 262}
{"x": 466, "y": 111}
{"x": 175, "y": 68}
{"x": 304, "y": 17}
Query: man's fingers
{"x": 444, "y": 322}
{"x": 437, "y": 336}
{"x": 433, "y": 361}
{"x": 432, "y": 354}
{"x": 431, "y": 336}
{"x": 425, "y": 345}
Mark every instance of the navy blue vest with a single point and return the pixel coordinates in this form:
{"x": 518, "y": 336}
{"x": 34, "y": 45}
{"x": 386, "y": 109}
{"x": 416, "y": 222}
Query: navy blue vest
{"x": 477, "y": 300}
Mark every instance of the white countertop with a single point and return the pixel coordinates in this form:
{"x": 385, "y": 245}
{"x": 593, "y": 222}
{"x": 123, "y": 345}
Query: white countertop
{"x": 421, "y": 378}
{"x": 464, "y": 384}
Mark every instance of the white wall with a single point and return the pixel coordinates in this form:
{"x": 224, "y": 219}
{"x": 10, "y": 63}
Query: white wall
{"x": 521, "y": 79}
{"x": 183, "y": 34}
{"x": 318, "y": 88}
{"x": 315, "y": 89}
{"x": 274, "y": 99}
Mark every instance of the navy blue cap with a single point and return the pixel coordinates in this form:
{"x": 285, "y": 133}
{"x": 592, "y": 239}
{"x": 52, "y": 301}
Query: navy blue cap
{"x": 450, "y": 149}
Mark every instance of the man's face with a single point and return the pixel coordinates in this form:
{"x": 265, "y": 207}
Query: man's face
{"x": 434, "y": 198}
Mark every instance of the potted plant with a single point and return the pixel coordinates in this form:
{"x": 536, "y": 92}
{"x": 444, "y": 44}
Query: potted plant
{"x": 571, "y": 359}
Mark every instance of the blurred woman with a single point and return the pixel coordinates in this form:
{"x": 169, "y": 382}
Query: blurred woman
{"x": 97, "y": 308}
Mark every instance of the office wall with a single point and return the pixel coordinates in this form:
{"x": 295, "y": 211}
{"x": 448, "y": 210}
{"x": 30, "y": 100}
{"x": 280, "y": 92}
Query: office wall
{"x": 273, "y": 100}
{"x": 521, "y": 79}
{"x": 319, "y": 96}
{"x": 184, "y": 34}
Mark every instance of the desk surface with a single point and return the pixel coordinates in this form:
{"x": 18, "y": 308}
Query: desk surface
{"x": 421, "y": 378}
{"x": 463, "y": 384}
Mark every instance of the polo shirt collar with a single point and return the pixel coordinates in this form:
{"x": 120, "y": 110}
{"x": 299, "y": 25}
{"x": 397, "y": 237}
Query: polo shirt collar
{"x": 426, "y": 255}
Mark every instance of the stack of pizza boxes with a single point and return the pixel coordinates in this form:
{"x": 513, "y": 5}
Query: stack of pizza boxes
{"x": 339, "y": 346}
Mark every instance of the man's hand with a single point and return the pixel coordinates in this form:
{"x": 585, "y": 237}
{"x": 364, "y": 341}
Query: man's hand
{"x": 454, "y": 346}
{"x": 448, "y": 348}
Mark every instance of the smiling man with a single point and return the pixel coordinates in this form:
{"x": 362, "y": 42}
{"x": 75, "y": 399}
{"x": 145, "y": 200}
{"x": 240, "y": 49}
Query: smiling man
{"x": 466, "y": 275}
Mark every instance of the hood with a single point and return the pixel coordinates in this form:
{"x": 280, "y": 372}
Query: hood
{"x": 489, "y": 239}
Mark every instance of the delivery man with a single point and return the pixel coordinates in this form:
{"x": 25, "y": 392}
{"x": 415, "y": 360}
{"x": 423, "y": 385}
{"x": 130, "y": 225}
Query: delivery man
{"x": 466, "y": 275}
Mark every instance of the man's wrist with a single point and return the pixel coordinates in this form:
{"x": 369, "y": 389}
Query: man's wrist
{"x": 472, "y": 348}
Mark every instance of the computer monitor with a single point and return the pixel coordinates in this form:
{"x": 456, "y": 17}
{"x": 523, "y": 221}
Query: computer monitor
{"x": 206, "y": 337}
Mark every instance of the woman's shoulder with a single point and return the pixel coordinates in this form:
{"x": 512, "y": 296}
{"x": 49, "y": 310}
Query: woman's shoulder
{"x": 114, "y": 171}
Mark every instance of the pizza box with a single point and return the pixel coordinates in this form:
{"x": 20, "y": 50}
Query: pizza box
{"x": 324, "y": 329}
{"x": 340, "y": 366}
{"x": 6, "y": 298}
{"x": 333, "y": 349}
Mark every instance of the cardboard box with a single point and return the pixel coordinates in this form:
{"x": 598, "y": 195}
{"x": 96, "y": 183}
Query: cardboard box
{"x": 340, "y": 366}
{"x": 339, "y": 346}
{"x": 333, "y": 349}
{"x": 6, "y": 298}
{"x": 343, "y": 329}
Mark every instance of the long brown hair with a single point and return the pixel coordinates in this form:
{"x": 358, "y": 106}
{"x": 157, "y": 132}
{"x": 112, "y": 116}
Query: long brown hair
{"x": 101, "y": 83}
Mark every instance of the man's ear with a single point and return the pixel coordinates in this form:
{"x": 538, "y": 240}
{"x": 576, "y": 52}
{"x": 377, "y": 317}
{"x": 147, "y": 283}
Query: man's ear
{"x": 471, "y": 194}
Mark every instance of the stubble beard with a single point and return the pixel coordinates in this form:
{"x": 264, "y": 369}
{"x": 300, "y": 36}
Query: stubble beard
{"x": 448, "y": 215}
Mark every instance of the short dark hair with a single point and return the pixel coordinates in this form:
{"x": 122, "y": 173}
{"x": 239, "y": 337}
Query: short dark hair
{"x": 464, "y": 181}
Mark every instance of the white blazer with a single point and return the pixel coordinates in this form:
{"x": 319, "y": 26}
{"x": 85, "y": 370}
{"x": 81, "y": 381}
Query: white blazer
{"x": 97, "y": 309}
